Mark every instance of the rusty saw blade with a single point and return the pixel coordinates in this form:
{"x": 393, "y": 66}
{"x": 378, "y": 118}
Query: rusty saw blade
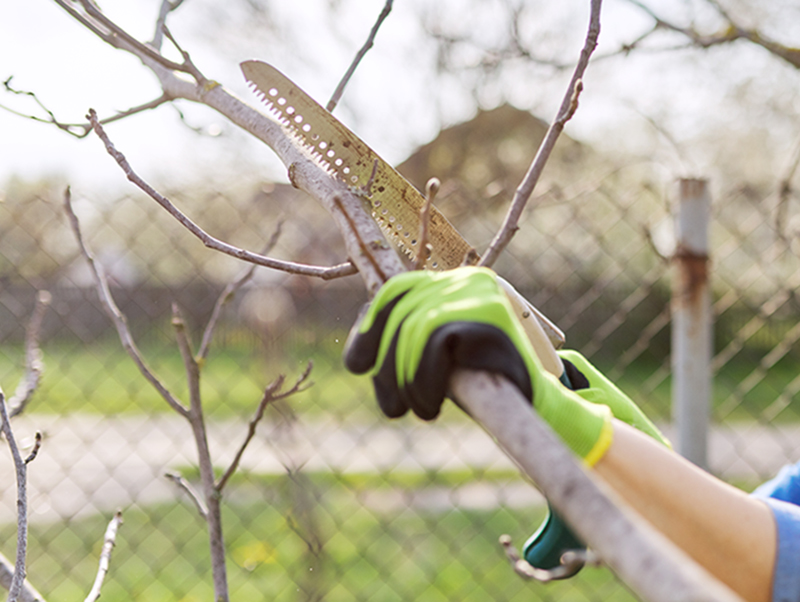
{"x": 395, "y": 203}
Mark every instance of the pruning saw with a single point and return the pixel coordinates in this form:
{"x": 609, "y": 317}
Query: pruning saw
{"x": 395, "y": 202}
{"x": 396, "y": 207}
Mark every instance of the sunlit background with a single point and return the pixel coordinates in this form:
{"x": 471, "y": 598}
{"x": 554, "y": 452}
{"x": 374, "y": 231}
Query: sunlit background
{"x": 332, "y": 501}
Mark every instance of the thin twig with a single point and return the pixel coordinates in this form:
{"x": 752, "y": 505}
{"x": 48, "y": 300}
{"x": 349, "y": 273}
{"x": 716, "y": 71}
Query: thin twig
{"x": 79, "y": 130}
{"x": 117, "y": 317}
{"x": 667, "y": 135}
{"x": 190, "y": 491}
{"x": 191, "y": 367}
{"x": 566, "y": 111}
{"x": 167, "y": 6}
{"x": 21, "y": 470}
{"x": 271, "y": 394}
{"x": 785, "y": 191}
{"x": 228, "y": 293}
{"x": 34, "y": 364}
{"x": 337, "y": 95}
{"x": 326, "y": 273}
{"x": 37, "y": 445}
{"x": 109, "y": 541}
{"x": 431, "y": 189}
{"x": 118, "y": 37}
{"x": 730, "y": 32}
{"x": 367, "y": 252}
{"x": 187, "y": 61}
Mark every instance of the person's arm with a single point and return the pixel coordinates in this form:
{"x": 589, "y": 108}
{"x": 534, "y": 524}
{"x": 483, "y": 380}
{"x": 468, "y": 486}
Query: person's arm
{"x": 730, "y": 533}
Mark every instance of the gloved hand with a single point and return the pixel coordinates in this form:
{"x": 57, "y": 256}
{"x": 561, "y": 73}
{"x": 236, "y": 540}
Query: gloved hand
{"x": 423, "y": 325}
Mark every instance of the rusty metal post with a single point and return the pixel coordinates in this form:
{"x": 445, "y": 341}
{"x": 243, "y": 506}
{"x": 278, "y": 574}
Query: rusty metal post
{"x": 691, "y": 322}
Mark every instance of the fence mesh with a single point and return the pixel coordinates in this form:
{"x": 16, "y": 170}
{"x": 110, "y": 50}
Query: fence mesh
{"x": 331, "y": 500}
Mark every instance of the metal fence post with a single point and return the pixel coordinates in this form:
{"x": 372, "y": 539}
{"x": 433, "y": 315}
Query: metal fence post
{"x": 691, "y": 321}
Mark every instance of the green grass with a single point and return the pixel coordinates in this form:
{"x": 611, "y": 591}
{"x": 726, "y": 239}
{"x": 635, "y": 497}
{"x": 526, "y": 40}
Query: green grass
{"x": 101, "y": 378}
{"x": 368, "y": 552}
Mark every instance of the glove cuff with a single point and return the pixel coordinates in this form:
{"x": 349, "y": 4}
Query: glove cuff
{"x": 602, "y": 444}
{"x": 584, "y": 426}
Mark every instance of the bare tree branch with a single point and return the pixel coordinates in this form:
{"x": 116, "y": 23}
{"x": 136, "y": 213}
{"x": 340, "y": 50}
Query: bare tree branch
{"x": 28, "y": 593}
{"x": 785, "y": 190}
{"x": 431, "y": 190}
{"x": 337, "y": 94}
{"x": 211, "y": 496}
{"x": 109, "y": 541}
{"x": 167, "y": 6}
{"x": 111, "y": 33}
{"x": 79, "y": 130}
{"x": 33, "y": 358}
{"x": 21, "y": 470}
{"x": 732, "y": 31}
{"x": 37, "y": 445}
{"x": 271, "y": 394}
{"x": 228, "y": 293}
{"x": 190, "y": 491}
{"x": 305, "y": 173}
{"x": 514, "y": 46}
{"x": 326, "y": 273}
{"x": 568, "y": 106}
{"x": 117, "y": 317}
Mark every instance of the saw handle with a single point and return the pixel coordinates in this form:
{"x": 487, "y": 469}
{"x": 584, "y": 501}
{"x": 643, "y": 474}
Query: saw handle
{"x": 535, "y": 323}
{"x": 553, "y": 538}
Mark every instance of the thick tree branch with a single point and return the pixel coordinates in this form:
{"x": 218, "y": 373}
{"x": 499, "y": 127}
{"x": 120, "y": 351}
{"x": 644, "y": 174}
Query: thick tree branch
{"x": 565, "y": 112}
{"x": 643, "y": 558}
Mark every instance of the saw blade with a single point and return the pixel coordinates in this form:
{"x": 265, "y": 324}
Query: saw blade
{"x": 395, "y": 203}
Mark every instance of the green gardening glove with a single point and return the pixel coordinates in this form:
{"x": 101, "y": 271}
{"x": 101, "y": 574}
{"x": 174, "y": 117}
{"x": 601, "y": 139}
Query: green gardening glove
{"x": 423, "y": 325}
{"x": 554, "y": 537}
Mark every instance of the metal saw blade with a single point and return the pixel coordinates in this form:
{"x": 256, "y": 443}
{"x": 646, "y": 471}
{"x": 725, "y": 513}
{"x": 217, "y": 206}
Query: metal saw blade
{"x": 396, "y": 204}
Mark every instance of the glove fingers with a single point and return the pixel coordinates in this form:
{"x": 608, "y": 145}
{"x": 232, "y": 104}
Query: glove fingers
{"x": 389, "y": 395}
{"x": 361, "y": 348}
{"x": 468, "y": 345}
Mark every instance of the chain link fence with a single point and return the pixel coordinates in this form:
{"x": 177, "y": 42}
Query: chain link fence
{"x": 331, "y": 501}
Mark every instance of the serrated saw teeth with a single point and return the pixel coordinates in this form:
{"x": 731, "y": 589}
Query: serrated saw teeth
{"x": 396, "y": 204}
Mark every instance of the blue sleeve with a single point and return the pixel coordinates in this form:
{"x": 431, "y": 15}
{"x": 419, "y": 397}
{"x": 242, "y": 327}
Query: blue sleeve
{"x": 782, "y": 494}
